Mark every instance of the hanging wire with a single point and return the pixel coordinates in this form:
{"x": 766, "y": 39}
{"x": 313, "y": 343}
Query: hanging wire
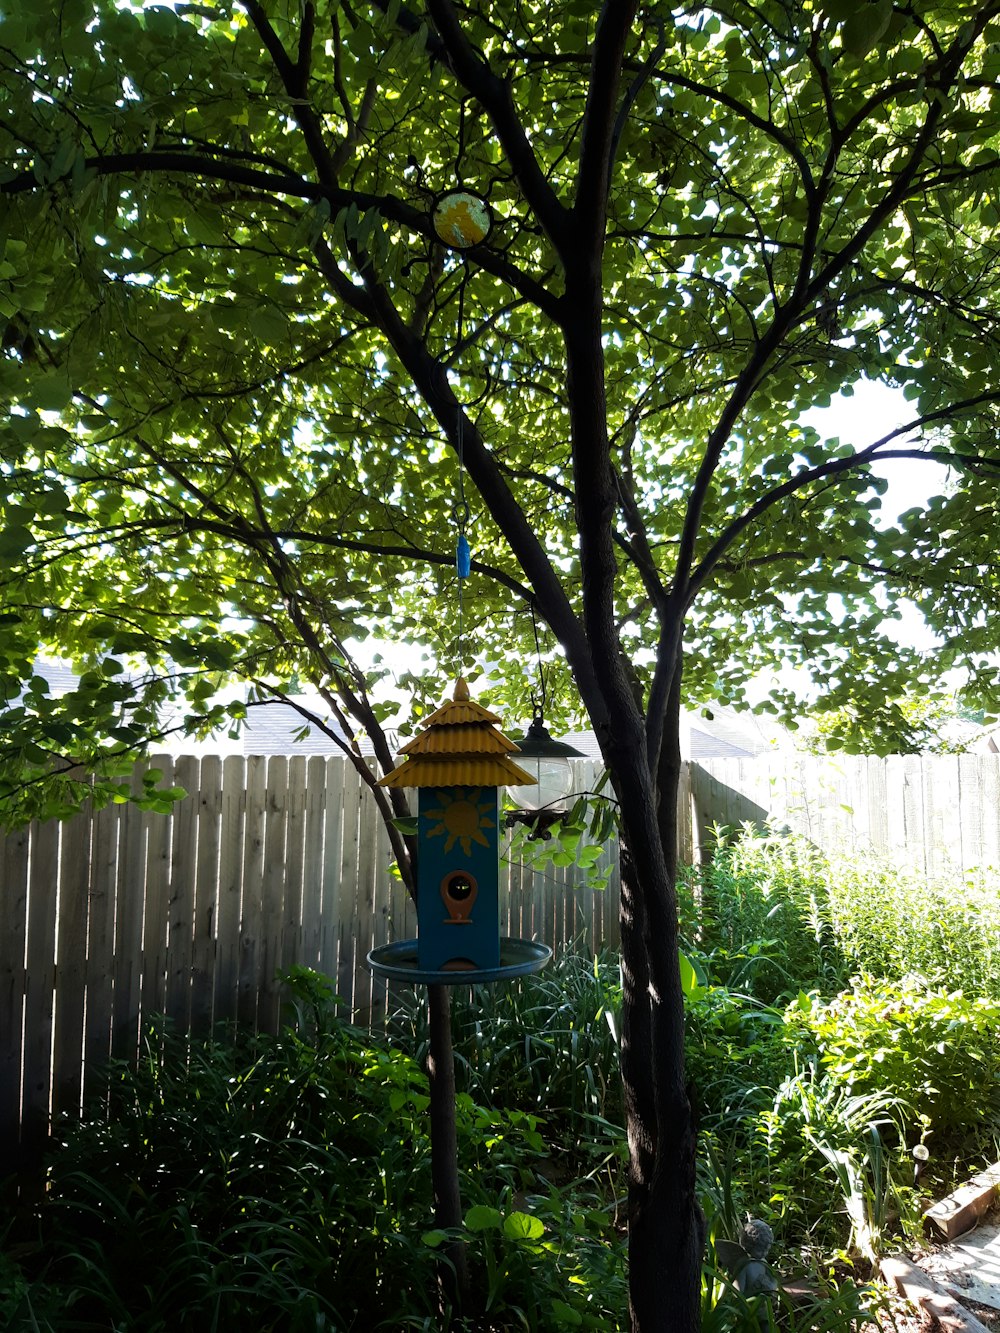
{"x": 537, "y": 696}
{"x": 463, "y": 554}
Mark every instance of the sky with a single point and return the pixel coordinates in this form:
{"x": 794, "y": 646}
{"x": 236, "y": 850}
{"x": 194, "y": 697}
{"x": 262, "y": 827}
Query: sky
{"x": 870, "y": 413}
{"x": 866, "y": 416}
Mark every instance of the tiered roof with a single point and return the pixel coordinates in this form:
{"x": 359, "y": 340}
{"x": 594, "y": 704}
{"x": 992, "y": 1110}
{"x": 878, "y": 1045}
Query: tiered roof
{"x": 460, "y": 746}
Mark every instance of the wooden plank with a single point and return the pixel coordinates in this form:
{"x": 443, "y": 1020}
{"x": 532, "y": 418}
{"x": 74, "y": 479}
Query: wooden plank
{"x": 365, "y": 904}
{"x": 990, "y": 783}
{"x": 206, "y": 895}
{"x": 915, "y": 847}
{"x": 291, "y": 930}
{"x": 312, "y": 863}
{"x": 157, "y": 914}
{"x": 251, "y": 901}
{"x": 328, "y": 960}
{"x": 933, "y": 1300}
{"x": 43, "y": 892}
{"x": 231, "y": 838}
{"x": 14, "y": 907}
{"x": 895, "y": 822}
{"x": 100, "y": 966}
{"x": 183, "y": 871}
{"x": 347, "y": 888}
{"x": 71, "y": 958}
{"x": 971, "y": 813}
{"x": 878, "y": 805}
{"x": 940, "y": 814}
{"x": 382, "y": 906}
{"x": 133, "y": 839}
{"x": 272, "y": 894}
{"x": 959, "y": 1211}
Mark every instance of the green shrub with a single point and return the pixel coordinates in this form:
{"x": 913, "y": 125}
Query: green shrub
{"x": 736, "y": 1053}
{"x": 283, "y": 1183}
{"x": 936, "y": 1051}
{"x": 759, "y": 914}
{"x": 892, "y": 922}
{"x": 546, "y": 1044}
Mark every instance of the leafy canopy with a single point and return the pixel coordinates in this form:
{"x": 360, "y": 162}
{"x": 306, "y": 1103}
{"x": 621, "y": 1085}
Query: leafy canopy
{"x": 241, "y": 370}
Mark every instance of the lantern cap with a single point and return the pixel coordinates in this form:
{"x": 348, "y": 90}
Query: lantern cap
{"x": 537, "y": 743}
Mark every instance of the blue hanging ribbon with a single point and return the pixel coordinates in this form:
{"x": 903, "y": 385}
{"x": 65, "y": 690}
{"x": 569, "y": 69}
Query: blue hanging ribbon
{"x": 463, "y": 557}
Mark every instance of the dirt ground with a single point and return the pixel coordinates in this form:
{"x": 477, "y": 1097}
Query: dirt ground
{"x": 904, "y": 1319}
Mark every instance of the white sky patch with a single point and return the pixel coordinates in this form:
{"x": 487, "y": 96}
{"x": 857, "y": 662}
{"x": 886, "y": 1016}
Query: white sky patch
{"x": 870, "y": 413}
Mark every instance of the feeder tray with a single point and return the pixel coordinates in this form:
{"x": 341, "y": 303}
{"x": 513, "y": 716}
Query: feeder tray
{"x": 398, "y": 962}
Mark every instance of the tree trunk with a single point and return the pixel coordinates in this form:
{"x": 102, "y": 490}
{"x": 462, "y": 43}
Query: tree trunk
{"x": 444, "y": 1144}
{"x": 666, "y": 1227}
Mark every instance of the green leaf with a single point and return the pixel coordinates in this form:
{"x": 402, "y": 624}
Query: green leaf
{"x": 522, "y": 1226}
{"x": 565, "y": 1315}
{"x": 481, "y": 1217}
{"x": 691, "y": 983}
{"x": 864, "y": 29}
{"x": 408, "y": 825}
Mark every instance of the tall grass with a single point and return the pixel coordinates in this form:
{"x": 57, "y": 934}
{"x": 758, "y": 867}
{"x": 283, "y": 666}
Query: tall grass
{"x": 546, "y": 1044}
{"x": 775, "y": 915}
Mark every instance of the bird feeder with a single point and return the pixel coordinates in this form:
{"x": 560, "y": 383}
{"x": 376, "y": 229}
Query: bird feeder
{"x": 458, "y": 764}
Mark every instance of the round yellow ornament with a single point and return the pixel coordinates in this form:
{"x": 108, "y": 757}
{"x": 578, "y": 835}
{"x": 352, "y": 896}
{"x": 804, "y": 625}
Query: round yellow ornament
{"x": 462, "y": 219}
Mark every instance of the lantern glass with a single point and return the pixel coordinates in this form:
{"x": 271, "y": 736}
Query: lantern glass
{"x": 547, "y": 761}
{"x": 554, "y": 779}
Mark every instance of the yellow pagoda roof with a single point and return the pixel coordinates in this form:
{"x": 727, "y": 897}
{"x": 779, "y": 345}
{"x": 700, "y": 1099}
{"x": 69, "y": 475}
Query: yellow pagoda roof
{"x": 443, "y": 741}
{"x": 459, "y": 746}
{"x": 461, "y": 708}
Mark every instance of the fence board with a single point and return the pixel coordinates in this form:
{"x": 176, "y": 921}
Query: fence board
{"x": 231, "y": 840}
{"x": 71, "y": 961}
{"x": 347, "y": 888}
{"x": 157, "y": 904}
{"x": 333, "y": 834}
{"x": 364, "y": 912}
{"x": 101, "y": 943}
{"x": 40, "y": 988}
{"x": 272, "y": 893}
{"x": 313, "y": 837}
{"x": 14, "y": 902}
{"x": 206, "y": 894}
{"x": 127, "y": 968}
{"x": 291, "y": 929}
{"x": 251, "y": 901}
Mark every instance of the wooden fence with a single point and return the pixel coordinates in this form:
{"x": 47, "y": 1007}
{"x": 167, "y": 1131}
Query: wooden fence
{"x": 113, "y": 916}
{"x": 938, "y": 815}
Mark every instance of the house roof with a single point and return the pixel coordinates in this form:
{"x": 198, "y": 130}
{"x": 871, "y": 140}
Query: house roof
{"x": 279, "y": 728}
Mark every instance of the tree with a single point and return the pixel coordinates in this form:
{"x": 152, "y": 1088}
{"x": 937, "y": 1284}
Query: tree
{"x": 252, "y": 393}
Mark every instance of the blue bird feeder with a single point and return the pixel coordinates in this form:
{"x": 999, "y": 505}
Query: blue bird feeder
{"x": 458, "y": 764}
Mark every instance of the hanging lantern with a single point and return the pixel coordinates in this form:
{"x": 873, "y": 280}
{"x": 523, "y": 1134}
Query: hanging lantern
{"x": 462, "y": 219}
{"x": 458, "y": 764}
{"x": 547, "y": 761}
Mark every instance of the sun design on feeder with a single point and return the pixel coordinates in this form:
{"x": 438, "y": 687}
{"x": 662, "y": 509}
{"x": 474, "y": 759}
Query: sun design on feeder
{"x": 462, "y": 816}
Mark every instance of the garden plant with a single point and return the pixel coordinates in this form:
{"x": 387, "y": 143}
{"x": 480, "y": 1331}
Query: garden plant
{"x": 286, "y": 1180}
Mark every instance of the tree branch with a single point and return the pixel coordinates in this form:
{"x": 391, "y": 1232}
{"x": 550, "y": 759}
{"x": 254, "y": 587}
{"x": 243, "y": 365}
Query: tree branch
{"x": 494, "y": 95}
